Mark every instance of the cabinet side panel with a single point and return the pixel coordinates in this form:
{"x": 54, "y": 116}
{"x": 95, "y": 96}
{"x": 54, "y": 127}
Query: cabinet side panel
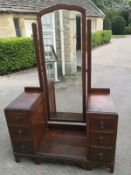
{"x": 38, "y": 122}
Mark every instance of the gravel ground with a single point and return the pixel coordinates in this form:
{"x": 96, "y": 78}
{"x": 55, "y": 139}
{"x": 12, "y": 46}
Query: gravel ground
{"x": 111, "y": 68}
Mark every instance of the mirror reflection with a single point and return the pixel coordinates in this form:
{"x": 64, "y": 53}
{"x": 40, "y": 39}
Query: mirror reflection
{"x": 62, "y": 47}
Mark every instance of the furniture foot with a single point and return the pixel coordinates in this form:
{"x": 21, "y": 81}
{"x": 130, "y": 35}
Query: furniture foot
{"x": 86, "y": 166}
{"x": 17, "y": 159}
{"x": 111, "y": 168}
{"x": 37, "y": 161}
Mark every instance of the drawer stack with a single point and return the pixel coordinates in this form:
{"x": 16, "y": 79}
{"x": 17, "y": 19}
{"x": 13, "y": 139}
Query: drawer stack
{"x": 21, "y": 120}
{"x": 103, "y": 131}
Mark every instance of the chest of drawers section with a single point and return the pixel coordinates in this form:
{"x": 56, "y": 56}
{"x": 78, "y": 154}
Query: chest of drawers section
{"x": 25, "y": 123}
{"x": 102, "y": 133}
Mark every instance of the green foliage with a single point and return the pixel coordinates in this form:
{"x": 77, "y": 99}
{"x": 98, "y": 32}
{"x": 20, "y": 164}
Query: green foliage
{"x": 125, "y": 14}
{"x": 128, "y": 30}
{"x": 100, "y": 3}
{"x": 101, "y": 37}
{"x": 118, "y": 25}
{"x": 107, "y": 24}
{"x": 16, "y": 54}
{"x": 129, "y": 3}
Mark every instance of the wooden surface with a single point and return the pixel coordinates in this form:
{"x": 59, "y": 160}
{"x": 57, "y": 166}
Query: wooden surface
{"x": 67, "y": 116}
{"x": 100, "y": 102}
{"x": 62, "y": 143}
{"x": 21, "y": 104}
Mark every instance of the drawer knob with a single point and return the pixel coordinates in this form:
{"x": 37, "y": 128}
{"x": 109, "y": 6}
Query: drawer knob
{"x": 101, "y": 125}
{"x": 20, "y": 133}
{"x": 100, "y": 140}
{"x": 100, "y": 156}
{"x": 23, "y": 147}
{"x": 18, "y": 119}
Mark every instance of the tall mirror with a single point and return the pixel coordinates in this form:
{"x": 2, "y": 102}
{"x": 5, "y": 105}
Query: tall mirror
{"x": 63, "y": 50}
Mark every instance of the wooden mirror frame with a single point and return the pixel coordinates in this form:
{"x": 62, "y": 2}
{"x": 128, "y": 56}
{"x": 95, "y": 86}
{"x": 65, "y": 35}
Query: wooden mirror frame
{"x": 43, "y": 77}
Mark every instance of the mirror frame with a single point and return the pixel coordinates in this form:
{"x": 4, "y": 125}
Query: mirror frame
{"x": 42, "y": 55}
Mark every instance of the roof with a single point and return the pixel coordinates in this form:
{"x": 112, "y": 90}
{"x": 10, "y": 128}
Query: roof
{"x": 34, "y": 6}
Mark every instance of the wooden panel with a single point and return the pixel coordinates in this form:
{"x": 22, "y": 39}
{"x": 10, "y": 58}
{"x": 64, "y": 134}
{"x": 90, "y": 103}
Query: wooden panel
{"x": 64, "y": 143}
{"x": 102, "y": 124}
{"x": 20, "y": 133}
{"x": 100, "y": 102}
{"x": 19, "y": 118}
{"x": 102, "y": 139}
{"x": 24, "y": 102}
{"x": 67, "y": 116}
{"x": 52, "y": 98}
{"x": 23, "y": 147}
{"x": 101, "y": 155}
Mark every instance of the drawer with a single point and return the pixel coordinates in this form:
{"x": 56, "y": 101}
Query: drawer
{"x": 17, "y": 118}
{"x": 102, "y": 139}
{"x": 23, "y": 147}
{"x": 20, "y": 133}
{"x": 102, "y": 124}
{"x": 101, "y": 154}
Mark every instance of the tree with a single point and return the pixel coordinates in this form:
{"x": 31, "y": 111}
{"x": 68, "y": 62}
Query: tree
{"x": 100, "y": 4}
{"x": 118, "y": 25}
{"x": 107, "y": 24}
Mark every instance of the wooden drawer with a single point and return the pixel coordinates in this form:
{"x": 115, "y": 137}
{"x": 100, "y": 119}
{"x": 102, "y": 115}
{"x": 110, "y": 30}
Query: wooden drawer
{"x": 17, "y": 118}
{"x": 101, "y": 154}
{"x": 102, "y": 139}
{"x": 20, "y": 133}
{"x": 23, "y": 147}
{"x": 102, "y": 124}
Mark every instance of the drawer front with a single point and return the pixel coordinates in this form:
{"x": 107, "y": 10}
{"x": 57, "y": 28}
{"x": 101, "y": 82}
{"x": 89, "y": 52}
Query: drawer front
{"x": 101, "y": 155}
{"x": 102, "y": 124}
{"x": 17, "y": 118}
{"x": 101, "y": 139}
{"x": 20, "y": 133}
{"x": 23, "y": 147}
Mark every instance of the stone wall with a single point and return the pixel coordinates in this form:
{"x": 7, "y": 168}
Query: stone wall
{"x": 7, "y": 28}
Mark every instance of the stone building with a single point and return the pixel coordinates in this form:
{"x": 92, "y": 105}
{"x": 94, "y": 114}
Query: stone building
{"x": 16, "y": 17}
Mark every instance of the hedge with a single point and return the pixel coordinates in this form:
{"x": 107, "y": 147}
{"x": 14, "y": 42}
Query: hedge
{"x": 128, "y": 30}
{"x": 101, "y": 37}
{"x": 16, "y": 54}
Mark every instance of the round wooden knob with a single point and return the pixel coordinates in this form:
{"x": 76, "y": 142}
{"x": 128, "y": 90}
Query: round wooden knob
{"x": 18, "y": 119}
{"x": 100, "y": 140}
{"x": 20, "y": 133}
{"x": 100, "y": 156}
{"x": 23, "y": 147}
{"x": 101, "y": 125}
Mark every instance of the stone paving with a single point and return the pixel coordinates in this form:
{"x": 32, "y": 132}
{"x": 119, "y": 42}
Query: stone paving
{"x": 111, "y": 68}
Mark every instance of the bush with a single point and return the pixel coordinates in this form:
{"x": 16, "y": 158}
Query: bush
{"x": 128, "y": 30}
{"x": 16, "y": 54}
{"x": 118, "y": 25}
{"x": 101, "y": 37}
{"x": 107, "y": 24}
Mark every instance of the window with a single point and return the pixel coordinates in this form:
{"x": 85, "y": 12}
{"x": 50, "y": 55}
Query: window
{"x": 17, "y": 27}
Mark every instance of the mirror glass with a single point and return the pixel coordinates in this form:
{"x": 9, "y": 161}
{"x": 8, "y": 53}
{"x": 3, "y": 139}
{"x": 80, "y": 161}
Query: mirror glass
{"x": 63, "y": 57}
